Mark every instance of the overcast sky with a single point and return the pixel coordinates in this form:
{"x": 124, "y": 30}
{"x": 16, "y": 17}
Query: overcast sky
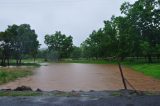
{"x": 72, "y": 17}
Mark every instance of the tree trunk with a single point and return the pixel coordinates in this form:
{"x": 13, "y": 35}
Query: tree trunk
{"x": 34, "y": 59}
{"x": 145, "y": 58}
{"x": 20, "y": 61}
{"x": 2, "y": 62}
{"x": 149, "y": 59}
{"x": 137, "y": 58}
{"x": 96, "y": 57}
{"x": 17, "y": 62}
{"x": 157, "y": 58}
{"x": 8, "y": 62}
{"x": 122, "y": 76}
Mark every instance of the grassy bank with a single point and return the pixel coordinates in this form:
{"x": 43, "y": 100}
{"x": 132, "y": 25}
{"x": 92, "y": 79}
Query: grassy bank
{"x": 20, "y": 93}
{"x": 152, "y": 70}
{"x": 76, "y": 94}
{"x": 11, "y": 74}
{"x": 42, "y": 93}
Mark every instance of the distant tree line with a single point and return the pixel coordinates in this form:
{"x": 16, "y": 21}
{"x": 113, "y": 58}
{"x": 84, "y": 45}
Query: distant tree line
{"x": 16, "y": 42}
{"x": 135, "y": 34}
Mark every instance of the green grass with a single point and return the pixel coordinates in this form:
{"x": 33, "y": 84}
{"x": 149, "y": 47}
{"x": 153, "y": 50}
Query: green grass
{"x": 116, "y": 94}
{"x": 152, "y": 70}
{"x": 35, "y": 93}
{"x": 20, "y": 93}
{"x": 11, "y": 74}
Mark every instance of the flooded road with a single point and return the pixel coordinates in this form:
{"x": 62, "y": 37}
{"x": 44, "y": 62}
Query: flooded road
{"x": 84, "y": 77}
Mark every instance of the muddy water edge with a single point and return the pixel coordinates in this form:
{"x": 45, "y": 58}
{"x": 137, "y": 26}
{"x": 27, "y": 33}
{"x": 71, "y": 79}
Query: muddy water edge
{"x": 67, "y": 77}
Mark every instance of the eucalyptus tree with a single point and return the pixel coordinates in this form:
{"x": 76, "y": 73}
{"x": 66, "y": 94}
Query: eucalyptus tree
{"x": 25, "y": 42}
{"x": 5, "y": 45}
{"x": 145, "y": 17}
{"x": 110, "y": 38}
{"x": 18, "y": 41}
{"x": 76, "y": 53}
{"x": 60, "y": 44}
{"x": 94, "y": 45}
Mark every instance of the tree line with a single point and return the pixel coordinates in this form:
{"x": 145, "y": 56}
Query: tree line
{"x": 135, "y": 34}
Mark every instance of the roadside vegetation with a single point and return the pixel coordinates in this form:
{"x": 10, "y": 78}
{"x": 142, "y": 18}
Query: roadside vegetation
{"x": 40, "y": 93}
{"x": 20, "y": 93}
{"x": 76, "y": 93}
{"x": 11, "y": 74}
{"x": 152, "y": 70}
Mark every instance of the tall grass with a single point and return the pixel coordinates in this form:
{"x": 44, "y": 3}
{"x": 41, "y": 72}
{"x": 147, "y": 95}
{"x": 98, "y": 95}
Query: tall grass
{"x": 152, "y": 70}
{"x": 11, "y": 74}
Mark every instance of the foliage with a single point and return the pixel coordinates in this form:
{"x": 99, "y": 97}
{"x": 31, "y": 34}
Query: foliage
{"x": 8, "y": 74}
{"x": 135, "y": 34}
{"x": 149, "y": 70}
{"x": 76, "y": 53}
{"x": 20, "y": 93}
{"x": 59, "y": 44}
{"x": 18, "y": 41}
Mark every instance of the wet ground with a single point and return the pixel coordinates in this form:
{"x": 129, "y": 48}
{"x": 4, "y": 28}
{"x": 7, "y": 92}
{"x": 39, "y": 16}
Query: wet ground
{"x": 67, "y": 77}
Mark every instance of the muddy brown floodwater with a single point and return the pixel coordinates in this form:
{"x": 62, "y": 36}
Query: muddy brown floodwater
{"x": 67, "y": 77}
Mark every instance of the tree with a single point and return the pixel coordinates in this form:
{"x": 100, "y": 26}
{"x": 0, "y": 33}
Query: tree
{"x": 110, "y": 33}
{"x": 25, "y": 42}
{"x": 91, "y": 47}
{"x": 59, "y": 44}
{"x": 6, "y": 47}
{"x": 76, "y": 53}
{"x": 42, "y": 53}
{"x": 145, "y": 17}
{"x": 18, "y": 41}
{"x": 123, "y": 37}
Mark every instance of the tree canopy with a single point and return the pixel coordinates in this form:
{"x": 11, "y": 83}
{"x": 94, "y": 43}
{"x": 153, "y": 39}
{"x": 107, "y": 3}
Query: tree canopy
{"x": 60, "y": 44}
{"x": 17, "y": 41}
{"x": 135, "y": 34}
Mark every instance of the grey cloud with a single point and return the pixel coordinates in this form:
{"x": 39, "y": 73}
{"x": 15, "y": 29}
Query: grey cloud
{"x": 73, "y": 17}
